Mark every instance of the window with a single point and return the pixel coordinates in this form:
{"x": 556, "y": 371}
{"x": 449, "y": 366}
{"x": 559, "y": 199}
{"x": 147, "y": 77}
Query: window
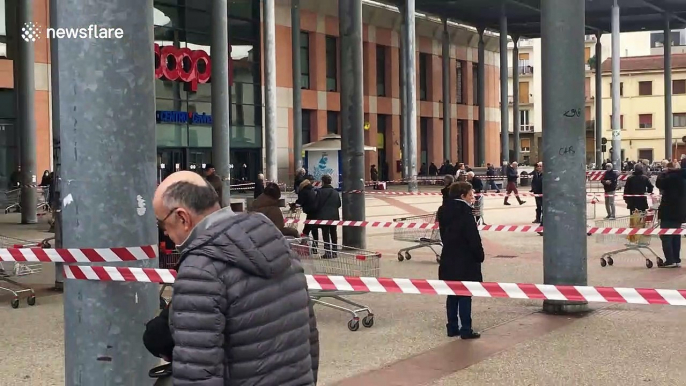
{"x": 4, "y": 27}
{"x": 307, "y": 126}
{"x": 475, "y": 81}
{"x": 458, "y": 81}
{"x": 381, "y": 70}
{"x": 645, "y": 121}
{"x": 621, "y": 122}
{"x": 423, "y": 75}
{"x": 679, "y": 120}
{"x": 523, "y": 117}
{"x": 305, "y": 60}
{"x": 461, "y": 139}
{"x": 332, "y": 122}
{"x": 424, "y": 135}
{"x": 679, "y": 86}
{"x": 331, "y": 63}
{"x": 645, "y": 88}
{"x": 525, "y": 145}
{"x": 645, "y": 154}
{"x": 621, "y": 88}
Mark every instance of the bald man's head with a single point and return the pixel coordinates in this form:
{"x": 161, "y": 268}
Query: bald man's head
{"x": 181, "y": 201}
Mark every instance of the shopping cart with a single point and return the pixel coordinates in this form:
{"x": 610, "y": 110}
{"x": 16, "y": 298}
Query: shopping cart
{"x": 169, "y": 259}
{"x": 424, "y": 238}
{"x": 631, "y": 242}
{"x": 591, "y": 207}
{"x": 292, "y": 213}
{"x": 10, "y": 273}
{"x": 339, "y": 261}
{"x": 478, "y": 211}
{"x": 12, "y": 200}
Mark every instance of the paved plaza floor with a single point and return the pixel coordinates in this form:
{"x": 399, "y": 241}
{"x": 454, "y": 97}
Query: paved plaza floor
{"x": 611, "y": 345}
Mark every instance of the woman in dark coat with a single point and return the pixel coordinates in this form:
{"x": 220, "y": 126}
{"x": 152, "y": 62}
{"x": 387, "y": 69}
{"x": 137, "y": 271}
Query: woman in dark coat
{"x": 461, "y": 257}
{"x": 637, "y": 184}
{"x": 448, "y": 179}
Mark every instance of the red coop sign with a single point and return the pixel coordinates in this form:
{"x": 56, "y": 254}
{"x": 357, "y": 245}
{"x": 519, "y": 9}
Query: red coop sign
{"x": 185, "y": 65}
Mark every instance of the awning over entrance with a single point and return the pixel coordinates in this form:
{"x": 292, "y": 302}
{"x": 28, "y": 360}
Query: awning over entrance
{"x": 329, "y": 142}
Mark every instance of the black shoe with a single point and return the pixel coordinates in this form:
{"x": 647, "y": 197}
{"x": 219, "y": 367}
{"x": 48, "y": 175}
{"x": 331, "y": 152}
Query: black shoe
{"x": 668, "y": 265}
{"x": 536, "y": 222}
{"x": 507, "y": 203}
{"x": 452, "y": 332}
{"x": 522, "y": 202}
{"x": 471, "y": 335}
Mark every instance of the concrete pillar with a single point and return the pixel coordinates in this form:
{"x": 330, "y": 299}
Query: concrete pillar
{"x": 616, "y": 112}
{"x": 564, "y": 148}
{"x": 446, "y": 90}
{"x": 411, "y": 87}
{"x": 404, "y": 126}
{"x": 56, "y": 204}
{"x": 668, "y": 89}
{"x": 352, "y": 119}
{"x": 269, "y": 51}
{"x": 221, "y": 109}
{"x": 25, "y": 64}
{"x": 104, "y": 321}
{"x": 515, "y": 98}
{"x": 504, "y": 124}
{"x": 297, "y": 81}
{"x": 481, "y": 101}
{"x": 598, "y": 102}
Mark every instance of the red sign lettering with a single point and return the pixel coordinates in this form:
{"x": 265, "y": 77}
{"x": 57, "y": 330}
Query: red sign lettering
{"x": 184, "y": 65}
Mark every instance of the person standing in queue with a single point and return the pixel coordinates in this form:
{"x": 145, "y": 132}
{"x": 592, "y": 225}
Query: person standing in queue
{"x": 637, "y": 185}
{"x": 214, "y": 180}
{"x": 445, "y": 192}
{"x": 609, "y": 182}
{"x": 672, "y": 211}
{"x": 307, "y": 199}
{"x": 537, "y": 189}
{"x": 461, "y": 257}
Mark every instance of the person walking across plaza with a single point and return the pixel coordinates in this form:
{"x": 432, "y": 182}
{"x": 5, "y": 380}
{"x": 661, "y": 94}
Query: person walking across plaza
{"x": 240, "y": 311}
{"x": 461, "y": 257}
{"x": 635, "y": 189}
{"x": 672, "y": 211}
{"x": 537, "y": 189}
{"x": 512, "y": 176}
{"x": 609, "y": 182}
{"x": 328, "y": 203}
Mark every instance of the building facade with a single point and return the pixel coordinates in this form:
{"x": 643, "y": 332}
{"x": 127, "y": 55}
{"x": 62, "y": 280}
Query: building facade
{"x": 183, "y": 87}
{"x": 642, "y": 119}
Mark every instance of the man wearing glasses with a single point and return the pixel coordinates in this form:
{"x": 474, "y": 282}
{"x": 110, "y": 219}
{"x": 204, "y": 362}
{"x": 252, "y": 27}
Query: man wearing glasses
{"x": 239, "y": 311}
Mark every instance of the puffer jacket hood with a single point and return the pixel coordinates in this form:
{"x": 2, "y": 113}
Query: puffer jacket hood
{"x": 237, "y": 239}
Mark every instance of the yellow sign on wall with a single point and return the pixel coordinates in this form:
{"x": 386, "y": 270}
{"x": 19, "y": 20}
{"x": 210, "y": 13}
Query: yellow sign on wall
{"x": 366, "y": 125}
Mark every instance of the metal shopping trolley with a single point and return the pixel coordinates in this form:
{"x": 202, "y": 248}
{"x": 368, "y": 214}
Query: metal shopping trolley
{"x": 424, "y": 238}
{"x": 631, "y": 242}
{"x": 292, "y": 213}
{"x": 10, "y": 273}
{"x": 12, "y": 200}
{"x": 169, "y": 259}
{"x": 339, "y": 261}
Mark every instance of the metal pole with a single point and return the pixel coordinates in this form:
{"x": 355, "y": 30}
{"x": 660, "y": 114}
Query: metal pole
{"x": 446, "y": 90}
{"x": 564, "y": 148}
{"x": 504, "y": 125}
{"x": 481, "y": 86}
{"x": 668, "y": 89}
{"x": 221, "y": 112}
{"x": 411, "y": 75}
{"x": 515, "y": 98}
{"x": 104, "y": 321}
{"x": 598, "y": 103}
{"x": 27, "y": 120}
{"x": 616, "y": 113}
{"x": 297, "y": 82}
{"x": 56, "y": 204}
{"x": 352, "y": 119}
{"x": 403, "y": 96}
{"x": 270, "y": 89}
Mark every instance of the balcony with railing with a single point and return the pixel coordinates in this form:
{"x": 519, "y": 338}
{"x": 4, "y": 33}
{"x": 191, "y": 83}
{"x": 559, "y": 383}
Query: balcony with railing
{"x": 526, "y": 128}
{"x": 525, "y": 69}
{"x": 522, "y": 101}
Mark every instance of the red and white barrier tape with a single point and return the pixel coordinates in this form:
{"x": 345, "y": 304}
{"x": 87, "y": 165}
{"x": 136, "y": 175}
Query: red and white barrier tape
{"x": 80, "y": 255}
{"x": 417, "y": 286}
{"x": 491, "y": 228}
{"x": 376, "y": 192}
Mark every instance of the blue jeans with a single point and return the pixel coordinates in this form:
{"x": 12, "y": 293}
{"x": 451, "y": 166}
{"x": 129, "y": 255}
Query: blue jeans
{"x": 459, "y": 306}
{"x": 492, "y": 185}
{"x": 671, "y": 245}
